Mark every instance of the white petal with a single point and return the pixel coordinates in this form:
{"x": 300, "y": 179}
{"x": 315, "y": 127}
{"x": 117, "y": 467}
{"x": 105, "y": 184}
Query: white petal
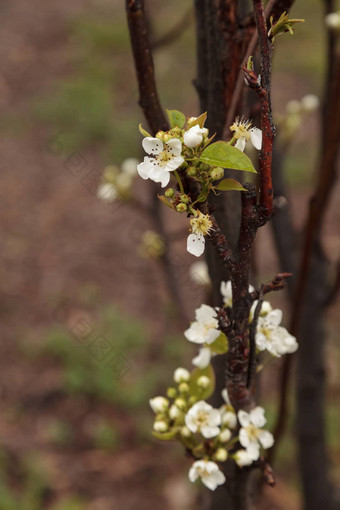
{"x": 274, "y": 318}
{"x": 129, "y": 166}
{"x": 175, "y": 145}
{"x": 240, "y": 143}
{"x": 242, "y": 458}
{"x": 193, "y": 472}
{"x": 213, "y": 480}
{"x": 257, "y": 417}
{"x": 209, "y": 432}
{"x": 266, "y": 438}
{"x": 152, "y": 146}
{"x": 193, "y": 137}
{"x": 195, "y": 245}
{"x": 225, "y": 396}
{"x": 203, "y": 358}
{"x": 174, "y": 163}
{"x": 253, "y": 450}
{"x": 212, "y": 335}
{"x": 144, "y": 168}
{"x": 205, "y": 313}
{"x": 256, "y": 138}
{"x": 243, "y": 418}
{"x": 243, "y": 438}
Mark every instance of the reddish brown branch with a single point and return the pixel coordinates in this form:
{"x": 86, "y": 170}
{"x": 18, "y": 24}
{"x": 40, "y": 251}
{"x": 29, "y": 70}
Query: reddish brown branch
{"x": 277, "y": 283}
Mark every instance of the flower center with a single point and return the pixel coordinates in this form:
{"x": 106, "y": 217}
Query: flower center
{"x": 202, "y": 418}
{"x": 252, "y": 432}
{"x": 201, "y": 224}
{"x": 241, "y": 129}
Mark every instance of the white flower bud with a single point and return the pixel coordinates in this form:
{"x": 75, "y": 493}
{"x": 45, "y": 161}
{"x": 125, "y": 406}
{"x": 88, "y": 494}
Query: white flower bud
{"x": 221, "y": 455}
{"x": 242, "y": 458}
{"x": 159, "y": 404}
{"x": 194, "y": 136}
{"x": 107, "y": 192}
{"x": 183, "y": 387}
{"x": 185, "y": 432}
{"x": 180, "y": 403}
{"x": 293, "y": 106}
{"x": 160, "y": 426}
{"x": 174, "y": 412}
{"x": 225, "y": 436}
{"x": 129, "y": 166}
{"x": 181, "y": 375}
{"x": 229, "y": 419}
{"x": 203, "y": 382}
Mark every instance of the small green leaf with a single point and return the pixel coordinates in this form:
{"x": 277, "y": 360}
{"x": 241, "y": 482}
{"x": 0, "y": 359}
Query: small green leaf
{"x": 200, "y": 120}
{"x": 230, "y": 185}
{"x": 195, "y": 390}
{"x": 143, "y": 131}
{"x": 225, "y": 155}
{"x": 220, "y": 345}
{"x": 176, "y": 118}
{"x": 166, "y": 436}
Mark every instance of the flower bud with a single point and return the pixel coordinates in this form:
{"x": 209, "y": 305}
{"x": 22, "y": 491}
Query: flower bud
{"x": 159, "y": 404}
{"x": 169, "y": 193}
{"x": 160, "y": 426}
{"x": 181, "y": 208}
{"x": 180, "y": 403}
{"x": 310, "y": 103}
{"x": 191, "y": 171}
{"x": 185, "y": 199}
{"x": 193, "y": 137}
{"x": 185, "y": 432}
{"x": 217, "y": 173}
{"x": 203, "y": 382}
{"x": 225, "y": 436}
{"x": 184, "y": 387}
{"x": 174, "y": 412}
{"x": 172, "y": 392}
{"x": 192, "y": 400}
{"x": 204, "y": 167}
{"x": 221, "y": 455}
{"x": 181, "y": 375}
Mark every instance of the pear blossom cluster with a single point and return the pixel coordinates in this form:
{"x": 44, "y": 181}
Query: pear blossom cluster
{"x": 179, "y": 154}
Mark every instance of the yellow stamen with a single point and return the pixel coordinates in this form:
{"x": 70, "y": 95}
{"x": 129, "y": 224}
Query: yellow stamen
{"x": 201, "y": 224}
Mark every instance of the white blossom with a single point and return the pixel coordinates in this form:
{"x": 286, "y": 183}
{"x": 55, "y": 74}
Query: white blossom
{"x": 332, "y": 20}
{"x": 225, "y": 436}
{"x": 162, "y": 159}
{"x": 243, "y": 132}
{"x": 227, "y": 294}
{"x": 107, "y": 192}
{"x": 242, "y": 458}
{"x": 266, "y": 308}
{"x": 174, "y": 412}
{"x": 199, "y": 273}
{"x": 194, "y": 136}
{"x": 202, "y": 360}
{"x": 159, "y": 404}
{"x": 129, "y": 166}
{"x": 228, "y": 415}
{"x": 310, "y": 103}
{"x": 251, "y": 435}
{"x": 205, "y": 328}
{"x": 273, "y": 337}
{"x": 160, "y": 426}
{"x": 203, "y": 418}
{"x": 200, "y": 226}
{"x": 208, "y": 472}
{"x": 181, "y": 375}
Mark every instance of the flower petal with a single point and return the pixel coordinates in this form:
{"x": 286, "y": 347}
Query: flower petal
{"x": 174, "y": 163}
{"x": 195, "y": 245}
{"x": 241, "y": 143}
{"x": 174, "y": 146}
{"x": 257, "y": 417}
{"x": 266, "y": 438}
{"x": 203, "y": 358}
{"x": 243, "y": 418}
{"x": 256, "y": 138}
{"x": 152, "y": 146}
{"x": 253, "y": 450}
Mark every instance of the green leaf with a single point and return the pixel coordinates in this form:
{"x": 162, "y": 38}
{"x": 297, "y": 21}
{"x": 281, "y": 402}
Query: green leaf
{"x": 143, "y": 131}
{"x": 202, "y": 394}
{"x": 230, "y": 185}
{"x": 220, "y": 345}
{"x": 225, "y": 155}
{"x": 200, "y": 120}
{"x": 176, "y": 118}
{"x": 166, "y": 436}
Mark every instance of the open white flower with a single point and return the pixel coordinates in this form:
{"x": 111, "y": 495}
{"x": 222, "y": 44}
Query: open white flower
{"x": 243, "y": 132}
{"x": 208, "y": 472}
{"x": 200, "y": 226}
{"x": 204, "y": 329}
{"x": 273, "y": 337}
{"x": 266, "y": 308}
{"x": 107, "y": 192}
{"x": 203, "y": 418}
{"x": 242, "y": 458}
{"x": 194, "y": 136}
{"x": 163, "y": 158}
{"x": 202, "y": 360}
{"x": 251, "y": 435}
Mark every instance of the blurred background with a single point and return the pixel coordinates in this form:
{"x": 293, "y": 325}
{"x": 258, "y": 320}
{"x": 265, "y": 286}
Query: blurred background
{"x": 88, "y": 331}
